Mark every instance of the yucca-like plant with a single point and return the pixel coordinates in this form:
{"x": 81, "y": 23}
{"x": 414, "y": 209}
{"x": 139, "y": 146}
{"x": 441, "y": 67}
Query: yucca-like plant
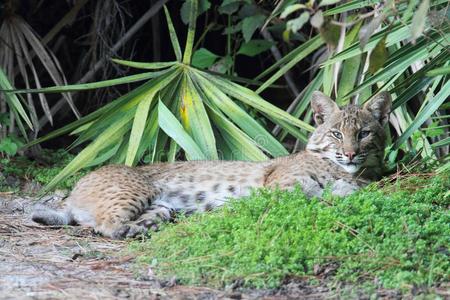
{"x": 13, "y": 104}
{"x": 398, "y": 46}
{"x": 178, "y": 106}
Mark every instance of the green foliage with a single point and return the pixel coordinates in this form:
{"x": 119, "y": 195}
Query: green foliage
{"x": 397, "y": 235}
{"x": 245, "y": 19}
{"x": 251, "y": 24}
{"x": 9, "y": 145}
{"x": 21, "y": 168}
{"x": 179, "y": 106}
{"x": 373, "y": 46}
{"x": 203, "y": 58}
{"x": 254, "y": 47}
{"x": 15, "y": 106}
{"x": 203, "y": 5}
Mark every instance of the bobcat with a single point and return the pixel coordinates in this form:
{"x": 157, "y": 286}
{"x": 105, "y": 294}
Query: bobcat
{"x": 344, "y": 153}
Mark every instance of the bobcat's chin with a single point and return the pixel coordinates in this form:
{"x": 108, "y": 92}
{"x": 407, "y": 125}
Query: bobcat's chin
{"x": 350, "y": 167}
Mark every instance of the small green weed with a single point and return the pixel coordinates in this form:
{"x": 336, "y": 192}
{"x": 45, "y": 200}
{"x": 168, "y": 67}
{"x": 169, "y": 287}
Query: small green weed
{"x": 24, "y": 169}
{"x": 9, "y": 146}
{"x": 397, "y": 235}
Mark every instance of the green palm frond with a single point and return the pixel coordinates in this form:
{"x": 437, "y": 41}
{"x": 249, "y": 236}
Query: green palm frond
{"x": 409, "y": 60}
{"x": 22, "y": 52}
{"x": 176, "y": 108}
{"x": 14, "y": 103}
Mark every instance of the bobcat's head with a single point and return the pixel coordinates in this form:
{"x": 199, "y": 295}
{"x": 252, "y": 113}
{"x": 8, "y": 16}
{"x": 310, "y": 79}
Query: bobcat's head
{"x": 353, "y": 137}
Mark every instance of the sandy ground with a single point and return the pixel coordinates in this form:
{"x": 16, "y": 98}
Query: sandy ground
{"x": 38, "y": 262}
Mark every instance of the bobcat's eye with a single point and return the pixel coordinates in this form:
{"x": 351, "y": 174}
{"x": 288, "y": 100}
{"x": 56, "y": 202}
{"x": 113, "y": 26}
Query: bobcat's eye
{"x": 337, "y": 134}
{"x": 363, "y": 134}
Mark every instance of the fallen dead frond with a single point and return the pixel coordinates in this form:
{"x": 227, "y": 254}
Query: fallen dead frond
{"x": 21, "y": 48}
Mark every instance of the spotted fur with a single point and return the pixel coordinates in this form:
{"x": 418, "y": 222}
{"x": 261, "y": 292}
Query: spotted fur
{"x": 120, "y": 201}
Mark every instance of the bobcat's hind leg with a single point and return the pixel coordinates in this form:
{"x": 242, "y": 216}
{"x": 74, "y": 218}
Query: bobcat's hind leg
{"x": 149, "y": 220}
{"x": 112, "y": 216}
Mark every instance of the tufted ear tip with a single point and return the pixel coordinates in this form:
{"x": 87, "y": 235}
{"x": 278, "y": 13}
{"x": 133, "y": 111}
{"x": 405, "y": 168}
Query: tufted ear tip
{"x": 318, "y": 94}
{"x": 322, "y": 106}
{"x": 380, "y": 107}
{"x": 386, "y": 97}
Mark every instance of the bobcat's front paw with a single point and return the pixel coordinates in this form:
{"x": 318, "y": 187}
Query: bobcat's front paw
{"x": 152, "y": 224}
{"x": 128, "y": 231}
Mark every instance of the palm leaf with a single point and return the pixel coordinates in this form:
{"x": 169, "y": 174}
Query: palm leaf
{"x": 12, "y": 100}
{"x": 289, "y": 61}
{"x": 94, "y": 85}
{"x": 241, "y": 146}
{"x": 425, "y": 113}
{"x": 137, "y": 130}
{"x": 250, "y": 98}
{"x": 233, "y": 111}
{"x": 144, "y": 65}
{"x": 173, "y": 35}
{"x": 109, "y": 137}
{"x": 191, "y": 32}
{"x": 173, "y": 128}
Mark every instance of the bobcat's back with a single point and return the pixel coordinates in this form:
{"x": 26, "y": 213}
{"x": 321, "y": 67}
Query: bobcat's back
{"x": 344, "y": 153}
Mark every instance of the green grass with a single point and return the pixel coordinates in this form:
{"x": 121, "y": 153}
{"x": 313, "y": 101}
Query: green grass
{"x": 397, "y": 235}
{"x": 24, "y": 169}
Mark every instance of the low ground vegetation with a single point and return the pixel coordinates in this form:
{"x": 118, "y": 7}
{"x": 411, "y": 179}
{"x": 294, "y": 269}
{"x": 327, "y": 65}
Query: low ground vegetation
{"x": 17, "y": 172}
{"x": 195, "y": 103}
{"x": 392, "y": 234}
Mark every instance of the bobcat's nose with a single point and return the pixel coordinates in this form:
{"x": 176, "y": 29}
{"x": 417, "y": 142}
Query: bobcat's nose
{"x": 350, "y": 155}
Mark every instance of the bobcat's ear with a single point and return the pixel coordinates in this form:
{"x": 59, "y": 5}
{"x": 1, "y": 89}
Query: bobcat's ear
{"x": 322, "y": 106}
{"x": 379, "y": 107}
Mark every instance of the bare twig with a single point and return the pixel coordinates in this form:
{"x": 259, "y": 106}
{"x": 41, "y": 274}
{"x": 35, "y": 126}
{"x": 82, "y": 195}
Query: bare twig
{"x": 67, "y": 19}
{"x": 291, "y": 107}
{"x": 277, "y": 55}
{"x": 359, "y": 18}
{"x": 339, "y": 48}
{"x": 287, "y": 76}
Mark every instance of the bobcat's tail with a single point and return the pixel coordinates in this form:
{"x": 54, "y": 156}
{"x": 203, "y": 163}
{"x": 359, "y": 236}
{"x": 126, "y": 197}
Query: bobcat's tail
{"x": 48, "y": 216}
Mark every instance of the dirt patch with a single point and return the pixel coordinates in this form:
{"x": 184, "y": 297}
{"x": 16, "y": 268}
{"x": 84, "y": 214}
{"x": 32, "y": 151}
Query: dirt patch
{"x": 41, "y": 262}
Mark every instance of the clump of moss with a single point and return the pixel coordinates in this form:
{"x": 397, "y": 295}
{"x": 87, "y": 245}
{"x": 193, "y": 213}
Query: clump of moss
{"x": 398, "y": 235}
